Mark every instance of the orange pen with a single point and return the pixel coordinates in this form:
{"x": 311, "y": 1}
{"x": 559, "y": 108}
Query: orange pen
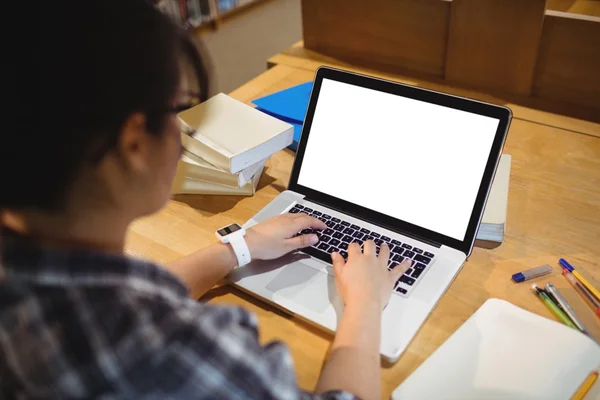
{"x": 589, "y": 299}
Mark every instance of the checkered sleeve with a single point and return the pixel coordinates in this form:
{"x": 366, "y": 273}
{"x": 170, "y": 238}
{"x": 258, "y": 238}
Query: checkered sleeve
{"x": 178, "y": 348}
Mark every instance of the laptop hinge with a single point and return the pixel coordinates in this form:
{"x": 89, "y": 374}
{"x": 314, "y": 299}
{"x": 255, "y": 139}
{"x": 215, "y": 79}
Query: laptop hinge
{"x": 401, "y": 232}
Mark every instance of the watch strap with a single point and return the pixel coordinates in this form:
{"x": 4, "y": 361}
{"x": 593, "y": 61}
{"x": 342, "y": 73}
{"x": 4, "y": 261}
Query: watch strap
{"x": 241, "y": 250}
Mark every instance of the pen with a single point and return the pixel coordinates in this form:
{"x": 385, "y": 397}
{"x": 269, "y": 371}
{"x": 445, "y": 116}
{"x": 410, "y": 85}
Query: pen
{"x": 555, "y": 295}
{"x": 552, "y": 307}
{"x": 585, "y": 386}
{"x": 580, "y": 278}
{"x": 589, "y": 299}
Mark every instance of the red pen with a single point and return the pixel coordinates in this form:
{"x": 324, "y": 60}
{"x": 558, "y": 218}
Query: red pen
{"x": 589, "y": 299}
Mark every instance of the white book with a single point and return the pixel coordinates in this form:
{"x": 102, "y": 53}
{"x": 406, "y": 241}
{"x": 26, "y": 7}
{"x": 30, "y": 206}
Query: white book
{"x": 232, "y": 135}
{"x": 185, "y": 185}
{"x": 194, "y": 167}
{"x": 493, "y": 222}
{"x": 505, "y": 352}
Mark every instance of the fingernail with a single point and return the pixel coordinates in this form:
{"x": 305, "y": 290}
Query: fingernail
{"x": 334, "y": 256}
{"x": 314, "y": 239}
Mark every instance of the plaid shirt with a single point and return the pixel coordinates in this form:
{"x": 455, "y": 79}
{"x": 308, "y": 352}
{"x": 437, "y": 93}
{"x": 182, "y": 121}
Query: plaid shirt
{"x": 80, "y": 324}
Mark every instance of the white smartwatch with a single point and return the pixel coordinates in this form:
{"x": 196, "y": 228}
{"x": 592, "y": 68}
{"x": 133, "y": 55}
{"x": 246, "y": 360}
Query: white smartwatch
{"x": 234, "y": 236}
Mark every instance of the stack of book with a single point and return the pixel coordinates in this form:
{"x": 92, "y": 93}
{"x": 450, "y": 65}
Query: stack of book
{"x": 226, "y": 146}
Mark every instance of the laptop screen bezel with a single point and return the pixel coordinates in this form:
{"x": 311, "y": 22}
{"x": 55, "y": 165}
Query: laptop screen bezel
{"x": 503, "y": 114}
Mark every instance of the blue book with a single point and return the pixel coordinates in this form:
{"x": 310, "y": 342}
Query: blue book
{"x": 288, "y": 105}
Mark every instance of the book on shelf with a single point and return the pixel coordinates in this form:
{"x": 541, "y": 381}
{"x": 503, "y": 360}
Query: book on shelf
{"x": 493, "y": 222}
{"x": 186, "y": 185}
{"x": 232, "y": 135}
{"x": 195, "y": 167}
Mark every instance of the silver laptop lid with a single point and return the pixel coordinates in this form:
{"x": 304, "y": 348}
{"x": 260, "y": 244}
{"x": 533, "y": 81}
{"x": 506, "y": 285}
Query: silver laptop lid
{"x": 415, "y": 161}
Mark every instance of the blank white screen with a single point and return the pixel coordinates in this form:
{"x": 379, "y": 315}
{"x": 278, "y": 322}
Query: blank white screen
{"x": 415, "y": 161}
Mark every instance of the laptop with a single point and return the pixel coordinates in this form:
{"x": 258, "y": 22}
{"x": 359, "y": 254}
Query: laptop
{"x": 383, "y": 161}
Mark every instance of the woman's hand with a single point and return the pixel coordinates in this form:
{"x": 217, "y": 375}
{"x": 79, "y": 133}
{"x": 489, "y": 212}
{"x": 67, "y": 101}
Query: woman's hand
{"x": 275, "y": 237}
{"x": 365, "y": 277}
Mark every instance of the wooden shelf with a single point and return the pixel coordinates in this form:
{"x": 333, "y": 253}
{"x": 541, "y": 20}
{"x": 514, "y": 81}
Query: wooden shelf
{"x": 221, "y": 17}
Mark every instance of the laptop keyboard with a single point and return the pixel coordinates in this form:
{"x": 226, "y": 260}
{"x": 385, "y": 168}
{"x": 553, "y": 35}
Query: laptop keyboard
{"x": 339, "y": 234}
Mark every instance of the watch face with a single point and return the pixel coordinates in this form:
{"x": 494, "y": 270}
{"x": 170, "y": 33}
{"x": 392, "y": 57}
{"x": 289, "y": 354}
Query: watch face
{"x": 229, "y": 229}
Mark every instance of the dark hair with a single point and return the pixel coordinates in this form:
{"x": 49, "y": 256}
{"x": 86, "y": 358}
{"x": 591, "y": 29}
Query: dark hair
{"x": 100, "y": 62}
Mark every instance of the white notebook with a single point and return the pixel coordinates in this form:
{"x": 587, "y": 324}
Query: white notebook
{"x": 232, "y": 135}
{"x": 493, "y": 222}
{"x": 505, "y": 352}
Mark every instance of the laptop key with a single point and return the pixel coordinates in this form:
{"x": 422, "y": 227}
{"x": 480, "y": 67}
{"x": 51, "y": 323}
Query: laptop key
{"x": 324, "y": 239}
{"x": 419, "y": 266}
{"x": 408, "y": 272}
{"x": 401, "y": 290}
{"x": 308, "y": 210}
{"x": 325, "y": 216}
{"x": 363, "y": 230}
{"x": 323, "y": 246}
{"x": 368, "y": 237}
{"x": 398, "y": 258}
{"x": 375, "y": 234}
{"x": 428, "y": 254}
{"x": 334, "y": 242}
{"x": 417, "y": 250}
{"x": 317, "y": 213}
{"x": 409, "y": 254}
{"x": 416, "y": 273}
{"x": 393, "y": 264}
{"x": 319, "y": 254}
{"x": 344, "y": 254}
{"x": 360, "y": 242}
{"x": 339, "y": 227}
{"x": 355, "y": 227}
{"x": 306, "y": 231}
{"x": 345, "y": 223}
{"x": 347, "y": 239}
{"x": 422, "y": 259}
{"x": 398, "y": 250}
{"x": 407, "y": 246}
{"x": 358, "y": 235}
{"x": 294, "y": 211}
{"x": 406, "y": 279}
{"x": 337, "y": 220}
{"x": 338, "y": 235}
{"x": 386, "y": 239}
{"x": 378, "y": 242}
{"x": 396, "y": 242}
{"x": 299, "y": 206}
{"x": 330, "y": 223}
{"x": 343, "y": 246}
{"x": 328, "y": 231}
{"x": 349, "y": 231}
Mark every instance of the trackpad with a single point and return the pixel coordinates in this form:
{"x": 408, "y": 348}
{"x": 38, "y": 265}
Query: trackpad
{"x": 304, "y": 285}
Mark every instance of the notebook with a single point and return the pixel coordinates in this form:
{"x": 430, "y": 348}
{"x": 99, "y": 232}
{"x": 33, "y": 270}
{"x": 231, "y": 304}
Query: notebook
{"x": 493, "y": 222}
{"x": 505, "y": 352}
{"x": 289, "y": 105}
{"x": 232, "y": 135}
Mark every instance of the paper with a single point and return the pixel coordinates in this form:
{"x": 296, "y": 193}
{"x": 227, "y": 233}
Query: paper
{"x": 505, "y": 352}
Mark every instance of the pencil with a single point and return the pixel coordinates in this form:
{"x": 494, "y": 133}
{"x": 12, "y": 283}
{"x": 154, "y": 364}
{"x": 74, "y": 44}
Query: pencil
{"x": 587, "y": 297}
{"x": 580, "y": 278}
{"x": 558, "y": 313}
{"x": 585, "y": 386}
{"x": 555, "y": 295}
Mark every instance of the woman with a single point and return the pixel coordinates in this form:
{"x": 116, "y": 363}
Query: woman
{"x": 79, "y": 319}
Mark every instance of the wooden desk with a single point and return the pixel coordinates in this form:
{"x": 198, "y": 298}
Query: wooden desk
{"x": 581, "y": 119}
{"x": 554, "y": 211}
